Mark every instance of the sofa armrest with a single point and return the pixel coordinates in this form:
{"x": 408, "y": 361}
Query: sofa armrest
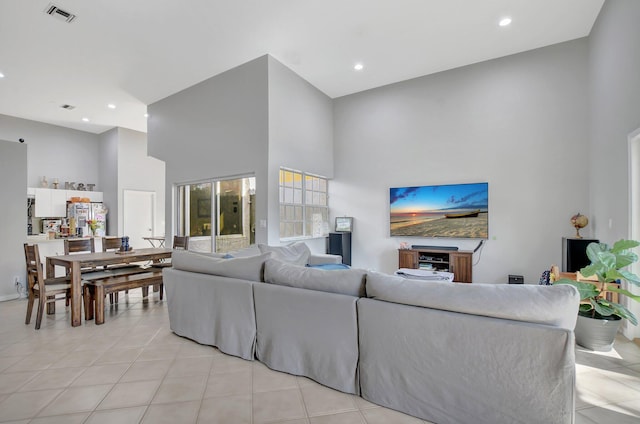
{"x": 324, "y": 258}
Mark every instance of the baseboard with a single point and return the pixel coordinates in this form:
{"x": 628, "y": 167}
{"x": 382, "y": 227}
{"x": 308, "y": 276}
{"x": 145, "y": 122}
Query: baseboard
{"x": 9, "y": 297}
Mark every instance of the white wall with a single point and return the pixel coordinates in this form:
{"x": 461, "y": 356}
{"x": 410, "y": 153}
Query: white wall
{"x": 614, "y": 64}
{"x": 300, "y": 136}
{"x": 519, "y": 123}
{"x": 69, "y": 155}
{"x": 217, "y": 128}
{"x": 137, "y": 171}
{"x": 13, "y": 225}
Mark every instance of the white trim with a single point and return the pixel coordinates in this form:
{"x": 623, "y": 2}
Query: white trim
{"x": 631, "y": 331}
{"x": 9, "y": 297}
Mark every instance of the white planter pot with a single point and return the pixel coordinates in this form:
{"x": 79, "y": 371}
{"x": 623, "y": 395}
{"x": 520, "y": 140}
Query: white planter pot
{"x": 597, "y": 334}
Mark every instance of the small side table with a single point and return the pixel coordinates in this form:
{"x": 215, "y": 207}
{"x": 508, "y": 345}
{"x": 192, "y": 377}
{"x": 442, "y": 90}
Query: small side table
{"x": 155, "y": 241}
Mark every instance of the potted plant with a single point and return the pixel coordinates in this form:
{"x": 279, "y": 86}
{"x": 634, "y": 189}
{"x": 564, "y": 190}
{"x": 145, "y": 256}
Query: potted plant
{"x": 599, "y": 318}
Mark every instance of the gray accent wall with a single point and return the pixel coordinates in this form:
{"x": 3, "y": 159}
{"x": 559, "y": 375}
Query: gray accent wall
{"x": 13, "y": 226}
{"x": 300, "y": 136}
{"x": 109, "y": 177}
{"x": 69, "y": 155}
{"x": 217, "y": 128}
{"x": 519, "y": 123}
{"x": 249, "y": 120}
{"x": 614, "y": 84}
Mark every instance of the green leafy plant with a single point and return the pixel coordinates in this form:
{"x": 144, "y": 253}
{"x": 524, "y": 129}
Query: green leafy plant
{"x": 607, "y": 265}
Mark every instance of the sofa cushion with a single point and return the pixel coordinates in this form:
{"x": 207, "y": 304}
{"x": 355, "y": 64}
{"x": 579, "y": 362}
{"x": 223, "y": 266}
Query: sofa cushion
{"x": 552, "y": 305}
{"x": 249, "y": 268}
{"x": 296, "y": 253}
{"x": 342, "y": 281}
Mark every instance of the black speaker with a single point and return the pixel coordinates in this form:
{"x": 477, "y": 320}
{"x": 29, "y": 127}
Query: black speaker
{"x": 340, "y": 244}
{"x": 516, "y": 279}
{"x": 574, "y": 253}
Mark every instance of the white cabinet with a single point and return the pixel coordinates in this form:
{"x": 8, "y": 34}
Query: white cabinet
{"x": 94, "y": 196}
{"x": 50, "y": 203}
{"x": 43, "y": 202}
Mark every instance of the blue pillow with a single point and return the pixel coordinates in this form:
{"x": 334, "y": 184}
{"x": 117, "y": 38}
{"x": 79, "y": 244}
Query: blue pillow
{"x": 227, "y": 256}
{"x": 330, "y": 266}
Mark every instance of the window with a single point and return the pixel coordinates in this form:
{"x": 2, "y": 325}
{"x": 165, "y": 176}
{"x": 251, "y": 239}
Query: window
{"x": 217, "y": 214}
{"x": 304, "y": 207}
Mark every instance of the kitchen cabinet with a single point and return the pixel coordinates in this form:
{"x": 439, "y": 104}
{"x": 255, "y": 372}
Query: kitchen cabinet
{"x": 50, "y": 203}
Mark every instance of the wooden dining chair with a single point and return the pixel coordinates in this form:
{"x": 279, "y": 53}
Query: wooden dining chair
{"x": 46, "y": 290}
{"x": 111, "y": 244}
{"x": 181, "y": 242}
{"x": 79, "y": 245}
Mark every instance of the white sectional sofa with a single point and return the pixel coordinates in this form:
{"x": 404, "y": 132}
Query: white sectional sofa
{"x": 443, "y": 352}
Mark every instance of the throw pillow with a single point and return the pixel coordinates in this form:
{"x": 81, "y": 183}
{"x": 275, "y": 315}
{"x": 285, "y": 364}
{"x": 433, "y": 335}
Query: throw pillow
{"x": 296, "y": 253}
{"x": 329, "y": 266}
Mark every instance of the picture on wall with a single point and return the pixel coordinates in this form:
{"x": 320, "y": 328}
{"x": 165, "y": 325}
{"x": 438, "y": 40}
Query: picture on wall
{"x": 453, "y": 211}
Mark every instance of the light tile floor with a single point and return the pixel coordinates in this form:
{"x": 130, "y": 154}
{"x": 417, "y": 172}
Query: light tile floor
{"x": 133, "y": 369}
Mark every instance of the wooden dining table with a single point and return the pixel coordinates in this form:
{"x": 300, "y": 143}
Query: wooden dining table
{"x": 75, "y": 263}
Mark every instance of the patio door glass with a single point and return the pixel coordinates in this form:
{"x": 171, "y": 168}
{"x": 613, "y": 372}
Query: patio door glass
{"x": 217, "y": 215}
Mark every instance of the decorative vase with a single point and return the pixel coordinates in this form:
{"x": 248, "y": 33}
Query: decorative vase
{"x": 597, "y": 333}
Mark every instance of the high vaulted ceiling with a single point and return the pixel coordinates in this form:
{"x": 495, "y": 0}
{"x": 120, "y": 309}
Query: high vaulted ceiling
{"x": 131, "y": 53}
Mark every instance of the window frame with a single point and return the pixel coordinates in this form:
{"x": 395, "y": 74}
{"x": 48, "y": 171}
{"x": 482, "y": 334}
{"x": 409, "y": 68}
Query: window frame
{"x": 300, "y": 196}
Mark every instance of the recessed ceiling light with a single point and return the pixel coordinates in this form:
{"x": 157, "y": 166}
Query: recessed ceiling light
{"x": 505, "y": 21}
{"x": 85, "y": 119}
{"x": 111, "y": 106}
{"x": 358, "y": 66}
{"x": 1, "y": 75}
{"x": 146, "y": 115}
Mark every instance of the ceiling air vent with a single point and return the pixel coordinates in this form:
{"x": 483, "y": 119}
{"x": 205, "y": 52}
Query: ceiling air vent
{"x": 56, "y": 12}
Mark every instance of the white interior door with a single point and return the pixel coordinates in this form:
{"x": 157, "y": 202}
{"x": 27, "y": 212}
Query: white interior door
{"x": 138, "y": 217}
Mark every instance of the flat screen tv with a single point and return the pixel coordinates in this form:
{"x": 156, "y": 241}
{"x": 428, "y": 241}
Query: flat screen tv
{"x": 453, "y": 211}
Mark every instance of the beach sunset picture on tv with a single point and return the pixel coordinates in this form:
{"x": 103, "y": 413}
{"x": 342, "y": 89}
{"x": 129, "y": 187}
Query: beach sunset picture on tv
{"x": 455, "y": 211}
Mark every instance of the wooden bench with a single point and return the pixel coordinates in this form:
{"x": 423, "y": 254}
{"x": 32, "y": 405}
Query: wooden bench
{"x": 95, "y": 290}
{"x": 115, "y": 271}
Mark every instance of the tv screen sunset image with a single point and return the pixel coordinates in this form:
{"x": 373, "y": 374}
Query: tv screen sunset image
{"x": 455, "y": 211}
